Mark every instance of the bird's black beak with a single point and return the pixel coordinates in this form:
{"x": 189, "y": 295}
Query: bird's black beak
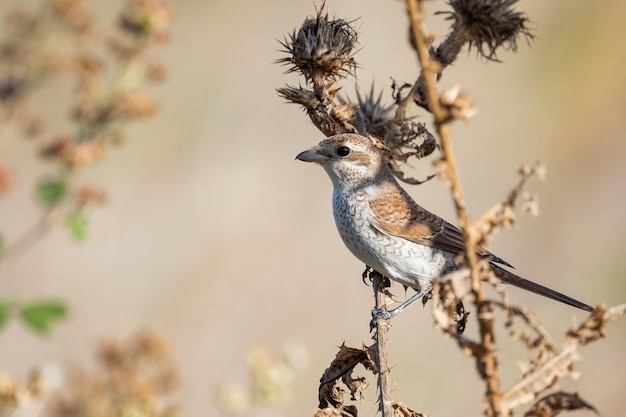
{"x": 312, "y": 155}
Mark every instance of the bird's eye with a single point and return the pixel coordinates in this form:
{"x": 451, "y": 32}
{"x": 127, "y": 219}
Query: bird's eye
{"x": 343, "y": 151}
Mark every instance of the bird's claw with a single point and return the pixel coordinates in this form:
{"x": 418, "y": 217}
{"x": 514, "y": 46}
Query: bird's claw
{"x": 380, "y": 314}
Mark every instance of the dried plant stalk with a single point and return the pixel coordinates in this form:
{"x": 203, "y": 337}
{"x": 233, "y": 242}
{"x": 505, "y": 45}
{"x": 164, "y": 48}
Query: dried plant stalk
{"x": 379, "y": 348}
{"x": 486, "y": 361}
{"x": 486, "y": 26}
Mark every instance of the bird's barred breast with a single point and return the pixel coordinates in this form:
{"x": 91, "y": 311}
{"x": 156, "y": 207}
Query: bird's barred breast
{"x": 399, "y": 259}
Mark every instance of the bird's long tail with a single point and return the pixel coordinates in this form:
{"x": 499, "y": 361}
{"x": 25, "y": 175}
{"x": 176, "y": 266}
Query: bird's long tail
{"x": 510, "y": 278}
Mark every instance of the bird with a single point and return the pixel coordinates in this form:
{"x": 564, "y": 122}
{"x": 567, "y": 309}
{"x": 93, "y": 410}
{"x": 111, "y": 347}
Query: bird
{"x": 387, "y": 230}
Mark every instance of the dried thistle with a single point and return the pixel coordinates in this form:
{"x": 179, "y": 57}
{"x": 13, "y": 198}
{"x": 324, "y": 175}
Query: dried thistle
{"x": 487, "y": 26}
{"x": 396, "y": 135}
{"x": 373, "y": 117}
{"x": 321, "y": 49}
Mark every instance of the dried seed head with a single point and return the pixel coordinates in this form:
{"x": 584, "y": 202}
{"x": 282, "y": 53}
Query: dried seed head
{"x": 73, "y": 14}
{"x": 302, "y": 96}
{"x": 73, "y": 154}
{"x": 57, "y": 148}
{"x": 321, "y": 49}
{"x": 530, "y": 204}
{"x": 489, "y": 24}
{"x": 89, "y": 194}
{"x": 9, "y": 390}
{"x": 122, "y": 48}
{"x": 85, "y": 154}
{"x": 90, "y": 105}
{"x": 147, "y": 18}
{"x": 156, "y": 71}
{"x": 344, "y": 112}
{"x": 374, "y": 116}
{"x": 87, "y": 64}
{"x": 538, "y": 169}
{"x": 458, "y": 103}
{"x": 131, "y": 104}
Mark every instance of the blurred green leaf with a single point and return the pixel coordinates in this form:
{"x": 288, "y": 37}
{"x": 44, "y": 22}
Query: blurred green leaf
{"x": 77, "y": 223}
{"x": 51, "y": 192}
{"x": 6, "y": 310}
{"x": 41, "y": 315}
{"x": 2, "y": 246}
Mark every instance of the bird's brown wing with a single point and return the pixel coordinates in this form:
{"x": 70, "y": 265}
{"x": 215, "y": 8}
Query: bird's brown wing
{"x": 396, "y": 214}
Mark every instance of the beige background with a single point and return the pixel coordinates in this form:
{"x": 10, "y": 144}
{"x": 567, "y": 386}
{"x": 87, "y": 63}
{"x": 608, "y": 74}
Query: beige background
{"x": 216, "y": 237}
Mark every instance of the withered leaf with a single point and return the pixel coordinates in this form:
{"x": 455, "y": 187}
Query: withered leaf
{"x": 401, "y": 410}
{"x": 594, "y": 327}
{"x": 553, "y": 404}
{"x": 340, "y": 370}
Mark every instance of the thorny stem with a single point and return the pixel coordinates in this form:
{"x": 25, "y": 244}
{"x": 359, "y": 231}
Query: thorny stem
{"x": 486, "y": 360}
{"x": 385, "y": 403}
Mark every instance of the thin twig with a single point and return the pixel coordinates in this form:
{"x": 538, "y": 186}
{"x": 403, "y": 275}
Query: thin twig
{"x": 29, "y": 238}
{"x": 531, "y": 321}
{"x": 542, "y": 378}
{"x": 385, "y": 403}
{"x": 486, "y": 360}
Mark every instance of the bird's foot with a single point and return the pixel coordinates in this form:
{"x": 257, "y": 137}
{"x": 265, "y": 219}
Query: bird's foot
{"x": 381, "y": 314}
{"x": 384, "y": 314}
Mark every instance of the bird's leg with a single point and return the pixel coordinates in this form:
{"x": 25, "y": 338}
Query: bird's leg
{"x": 384, "y": 313}
{"x": 425, "y": 288}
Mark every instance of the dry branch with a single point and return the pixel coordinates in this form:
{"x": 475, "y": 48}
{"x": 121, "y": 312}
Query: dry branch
{"x": 379, "y": 348}
{"x": 323, "y": 52}
{"x": 486, "y": 360}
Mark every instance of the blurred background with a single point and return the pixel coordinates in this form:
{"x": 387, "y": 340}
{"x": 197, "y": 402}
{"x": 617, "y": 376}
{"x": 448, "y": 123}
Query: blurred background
{"x": 214, "y": 236}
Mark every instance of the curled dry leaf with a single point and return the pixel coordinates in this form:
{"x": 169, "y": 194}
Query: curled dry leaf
{"x": 553, "y": 404}
{"x": 594, "y": 328}
{"x": 401, "y": 410}
{"x": 346, "y": 411}
{"x": 340, "y": 370}
{"x": 448, "y": 293}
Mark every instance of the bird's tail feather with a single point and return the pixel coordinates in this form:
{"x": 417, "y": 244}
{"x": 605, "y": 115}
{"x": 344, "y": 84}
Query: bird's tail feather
{"x": 510, "y": 278}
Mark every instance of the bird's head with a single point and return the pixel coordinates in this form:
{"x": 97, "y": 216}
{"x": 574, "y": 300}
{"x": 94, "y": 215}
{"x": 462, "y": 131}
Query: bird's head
{"x": 350, "y": 160}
